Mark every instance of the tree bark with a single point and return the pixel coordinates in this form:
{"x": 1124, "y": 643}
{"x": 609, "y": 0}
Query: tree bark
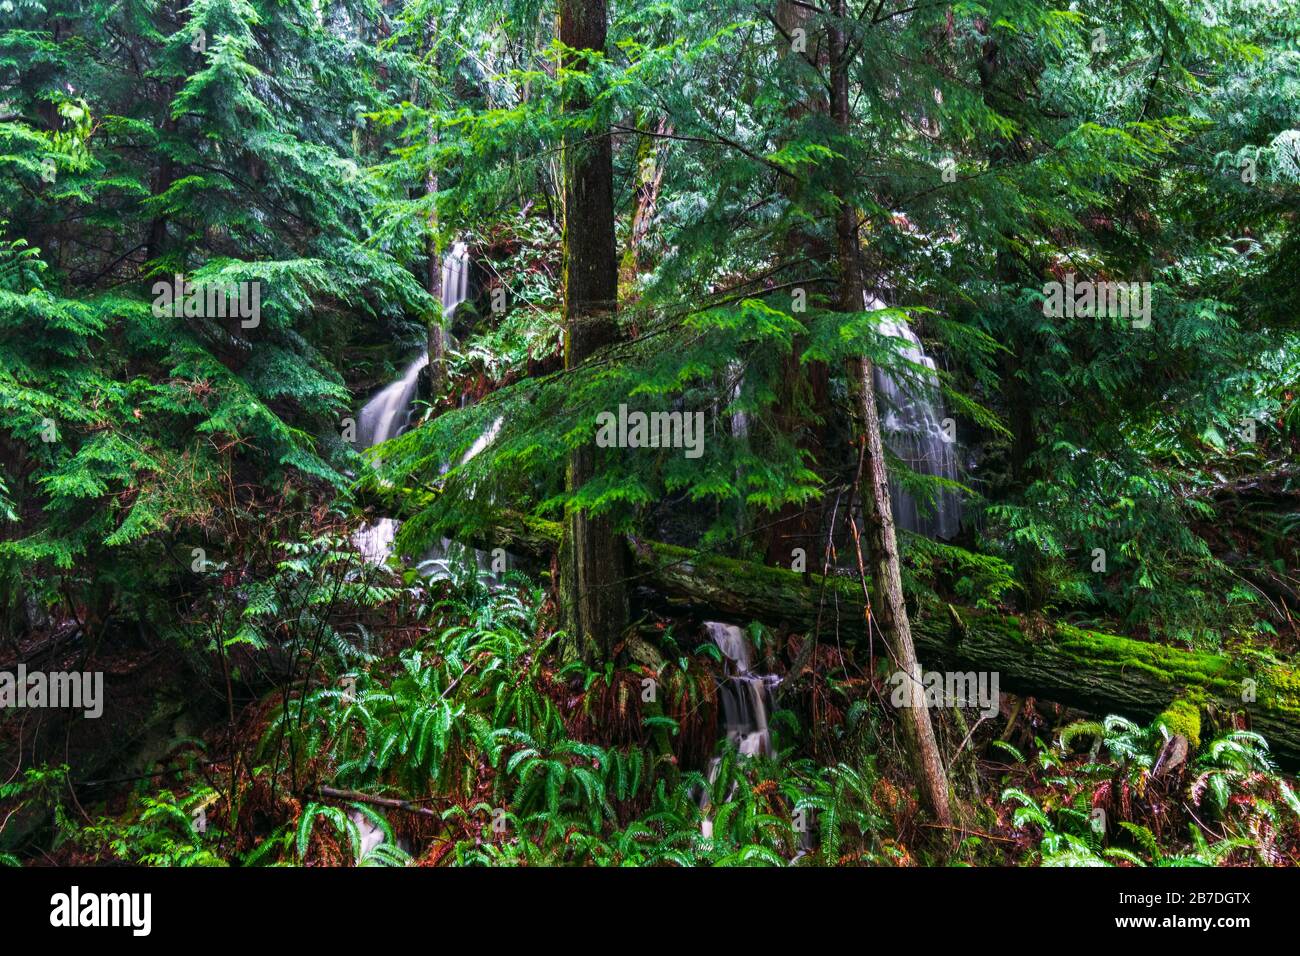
{"x": 164, "y": 176}
{"x": 592, "y": 560}
{"x": 649, "y": 177}
{"x": 890, "y": 607}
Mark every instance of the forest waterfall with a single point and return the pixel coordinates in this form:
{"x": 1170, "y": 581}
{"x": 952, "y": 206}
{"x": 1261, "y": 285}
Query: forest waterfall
{"x": 911, "y": 423}
{"x": 746, "y": 700}
{"x": 388, "y": 413}
{"x": 912, "y": 417}
{"x": 911, "y": 426}
{"x": 746, "y": 696}
{"x": 647, "y": 434}
{"x": 386, "y": 416}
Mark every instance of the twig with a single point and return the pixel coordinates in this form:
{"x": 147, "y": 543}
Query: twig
{"x": 964, "y": 830}
{"x": 390, "y": 802}
{"x": 962, "y": 746}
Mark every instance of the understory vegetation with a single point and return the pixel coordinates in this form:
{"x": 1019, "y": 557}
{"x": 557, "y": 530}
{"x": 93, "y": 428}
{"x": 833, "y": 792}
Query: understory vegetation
{"x": 463, "y": 629}
{"x": 457, "y": 738}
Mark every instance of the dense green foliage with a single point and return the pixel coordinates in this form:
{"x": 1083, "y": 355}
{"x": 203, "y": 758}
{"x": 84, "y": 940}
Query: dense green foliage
{"x": 181, "y": 481}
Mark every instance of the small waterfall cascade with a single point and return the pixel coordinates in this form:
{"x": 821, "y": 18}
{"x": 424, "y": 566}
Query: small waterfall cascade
{"x": 912, "y": 419}
{"x": 746, "y": 696}
{"x": 383, "y": 417}
{"x": 911, "y": 425}
{"x": 746, "y": 701}
{"x": 455, "y": 281}
{"x": 388, "y": 413}
{"x": 438, "y": 561}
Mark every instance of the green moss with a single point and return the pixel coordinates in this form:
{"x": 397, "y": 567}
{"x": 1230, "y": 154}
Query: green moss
{"x": 1183, "y": 717}
{"x": 1178, "y": 667}
{"x": 1279, "y": 689}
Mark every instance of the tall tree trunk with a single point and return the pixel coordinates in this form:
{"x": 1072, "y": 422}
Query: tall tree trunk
{"x": 1008, "y": 272}
{"x": 1017, "y": 336}
{"x": 592, "y": 559}
{"x": 164, "y": 176}
{"x": 890, "y": 610}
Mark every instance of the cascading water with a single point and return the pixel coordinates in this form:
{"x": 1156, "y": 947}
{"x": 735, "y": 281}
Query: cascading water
{"x": 383, "y": 417}
{"x": 438, "y": 561}
{"x": 370, "y": 835}
{"x": 746, "y": 700}
{"x": 911, "y": 426}
{"x": 388, "y": 413}
{"x": 746, "y": 696}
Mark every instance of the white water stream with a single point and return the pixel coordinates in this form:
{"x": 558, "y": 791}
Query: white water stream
{"x": 388, "y": 413}
{"x": 746, "y": 701}
{"x": 912, "y": 427}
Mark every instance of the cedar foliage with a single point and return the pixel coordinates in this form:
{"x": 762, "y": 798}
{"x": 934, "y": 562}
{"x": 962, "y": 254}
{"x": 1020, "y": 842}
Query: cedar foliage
{"x": 991, "y": 148}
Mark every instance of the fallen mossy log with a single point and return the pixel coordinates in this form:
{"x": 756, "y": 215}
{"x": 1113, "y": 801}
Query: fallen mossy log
{"x": 1102, "y": 673}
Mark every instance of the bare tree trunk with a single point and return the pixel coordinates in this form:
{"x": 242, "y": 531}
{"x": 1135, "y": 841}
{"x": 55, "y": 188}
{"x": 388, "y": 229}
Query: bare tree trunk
{"x": 891, "y": 610}
{"x": 592, "y": 559}
{"x": 164, "y": 176}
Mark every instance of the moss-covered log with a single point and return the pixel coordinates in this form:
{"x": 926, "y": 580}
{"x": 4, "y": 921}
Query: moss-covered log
{"x": 1104, "y": 673}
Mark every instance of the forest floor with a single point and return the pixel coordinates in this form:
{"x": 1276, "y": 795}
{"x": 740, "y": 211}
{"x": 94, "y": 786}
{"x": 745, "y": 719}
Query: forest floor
{"x": 1026, "y": 794}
